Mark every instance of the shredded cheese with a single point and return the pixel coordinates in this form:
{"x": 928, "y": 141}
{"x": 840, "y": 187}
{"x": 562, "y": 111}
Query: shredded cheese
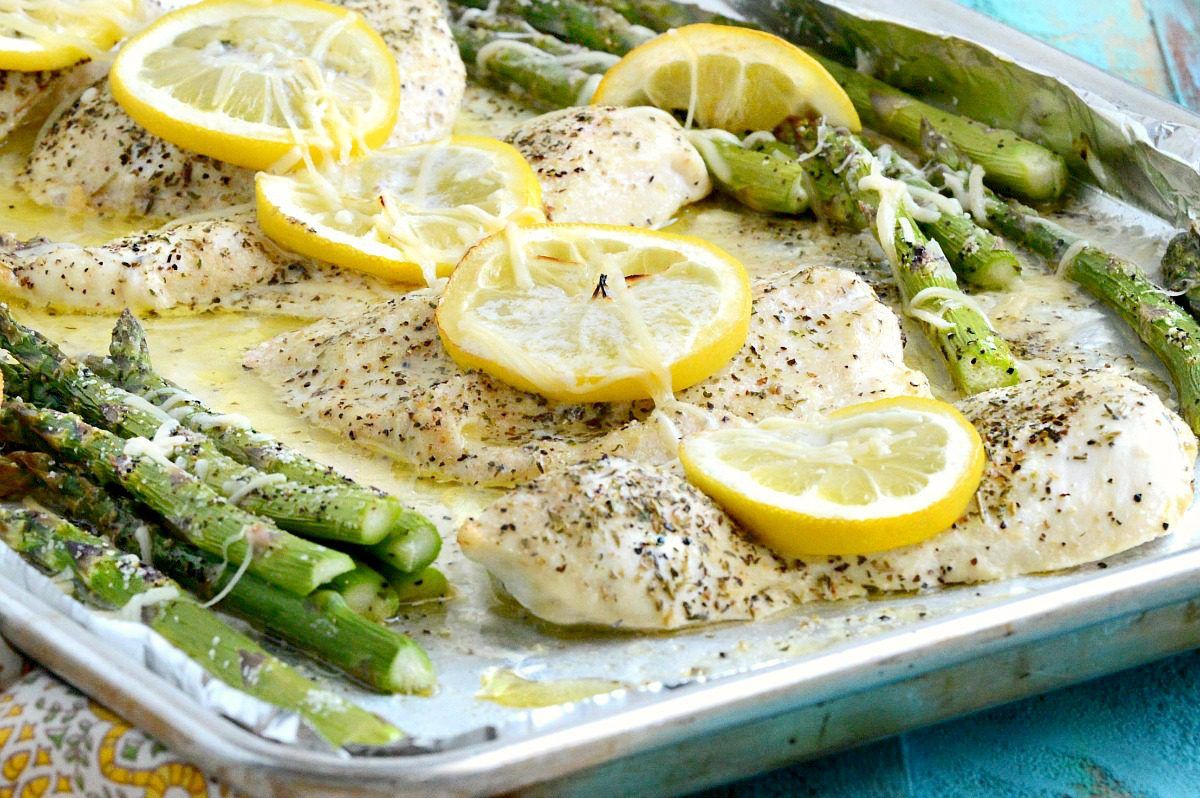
{"x": 976, "y": 203}
{"x": 1069, "y": 256}
{"x": 142, "y": 536}
{"x": 247, "y": 558}
{"x": 160, "y": 448}
{"x": 943, "y": 299}
{"x": 132, "y": 611}
{"x": 236, "y": 491}
{"x": 588, "y": 89}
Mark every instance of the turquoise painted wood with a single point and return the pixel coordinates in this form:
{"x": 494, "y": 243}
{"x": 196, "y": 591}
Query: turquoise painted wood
{"x": 1132, "y": 735}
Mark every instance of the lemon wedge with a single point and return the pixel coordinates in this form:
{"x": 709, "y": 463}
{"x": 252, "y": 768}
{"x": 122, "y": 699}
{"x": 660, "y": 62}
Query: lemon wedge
{"x": 407, "y": 214}
{"x": 52, "y": 34}
{"x": 253, "y": 81}
{"x": 866, "y": 478}
{"x": 593, "y": 313}
{"x": 723, "y": 77}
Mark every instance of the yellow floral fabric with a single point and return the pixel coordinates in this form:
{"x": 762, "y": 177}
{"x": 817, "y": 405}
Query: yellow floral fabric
{"x": 55, "y": 741}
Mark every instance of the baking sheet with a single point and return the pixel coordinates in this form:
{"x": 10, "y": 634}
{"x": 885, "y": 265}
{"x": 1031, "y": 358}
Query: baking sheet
{"x": 476, "y": 636}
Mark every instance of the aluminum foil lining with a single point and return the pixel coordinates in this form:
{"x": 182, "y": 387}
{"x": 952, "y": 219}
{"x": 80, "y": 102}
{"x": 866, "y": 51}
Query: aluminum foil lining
{"x": 1150, "y": 162}
{"x": 145, "y": 646}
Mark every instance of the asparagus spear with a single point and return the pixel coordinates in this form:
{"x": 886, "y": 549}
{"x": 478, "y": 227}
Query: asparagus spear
{"x": 1181, "y": 268}
{"x": 337, "y": 512}
{"x": 976, "y": 356}
{"x": 515, "y": 29}
{"x": 768, "y": 179}
{"x": 427, "y": 584}
{"x": 1165, "y": 327}
{"x": 322, "y": 625}
{"x": 978, "y": 257}
{"x": 593, "y": 26}
{"x": 367, "y": 593}
{"x": 128, "y": 366}
{"x": 121, "y": 581}
{"x": 525, "y": 72}
{"x": 1014, "y": 164}
{"x": 191, "y": 509}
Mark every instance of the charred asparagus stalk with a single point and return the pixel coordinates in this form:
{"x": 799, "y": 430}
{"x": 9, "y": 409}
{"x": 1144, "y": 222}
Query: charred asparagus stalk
{"x": 976, "y": 357}
{"x": 322, "y": 625}
{"x": 978, "y": 257}
{"x": 1012, "y": 163}
{"x": 337, "y": 512}
{"x": 190, "y": 508}
{"x": 116, "y": 580}
{"x": 1162, "y": 325}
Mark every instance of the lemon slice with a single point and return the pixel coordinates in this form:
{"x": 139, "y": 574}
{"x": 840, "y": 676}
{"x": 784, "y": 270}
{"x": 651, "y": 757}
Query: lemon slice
{"x": 52, "y": 34}
{"x": 731, "y": 78}
{"x": 249, "y": 81}
{"x": 869, "y": 477}
{"x": 407, "y": 214}
{"x": 593, "y": 313}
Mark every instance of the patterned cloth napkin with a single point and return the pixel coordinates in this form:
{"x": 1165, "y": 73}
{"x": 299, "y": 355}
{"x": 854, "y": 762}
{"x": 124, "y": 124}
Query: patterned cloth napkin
{"x": 56, "y": 741}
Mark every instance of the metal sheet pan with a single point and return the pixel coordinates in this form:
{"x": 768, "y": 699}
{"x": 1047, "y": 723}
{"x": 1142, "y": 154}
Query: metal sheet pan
{"x": 913, "y": 660}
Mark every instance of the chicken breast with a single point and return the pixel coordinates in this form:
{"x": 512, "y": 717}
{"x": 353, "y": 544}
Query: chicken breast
{"x": 432, "y": 75}
{"x": 614, "y": 543}
{"x": 1079, "y": 468}
{"x": 93, "y": 157}
{"x": 627, "y": 166}
{"x": 384, "y": 380}
{"x": 220, "y": 262}
{"x": 28, "y": 97}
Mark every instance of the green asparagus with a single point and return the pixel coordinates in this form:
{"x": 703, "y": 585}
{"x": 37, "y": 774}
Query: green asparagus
{"x": 1165, "y": 327}
{"x": 770, "y": 179}
{"x": 336, "y": 512}
{"x": 128, "y": 366}
{"x": 978, "y": 257}
{"x": 366, "y": 592}
{"x": 120, "y": 581}
{"x": 976, "y": 357}
{"x": 318, "y": 624}
{"x": 514, "y": 29}
{"x": 1181, "y": 268}
{"x": 592, "y": 26}
{"x": 1012, "y": 163}
{"x": 190, "y": 508}
{"x": 428, "y": 584}
{"x": 525, "y": 72}
{"x": 410, "y": 552}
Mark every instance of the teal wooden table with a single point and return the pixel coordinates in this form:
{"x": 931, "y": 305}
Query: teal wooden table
{"x": 1132, "y": 735}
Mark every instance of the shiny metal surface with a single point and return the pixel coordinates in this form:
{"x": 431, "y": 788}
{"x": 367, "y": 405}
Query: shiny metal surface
{"x": 976, "y": 647}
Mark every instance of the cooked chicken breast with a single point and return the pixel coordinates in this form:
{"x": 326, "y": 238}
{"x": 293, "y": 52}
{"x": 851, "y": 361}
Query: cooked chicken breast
{"x": 220, "y": 262}
{"x": 627, "y": 166}
{"x": 432, "y": 75}
{"x": 27, "y": 97}
{"x": 615, "y": 543}
{"x": 383, "y": 379}
{"x": 1079, "y": 468}
{"x": 93, "y": 157}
